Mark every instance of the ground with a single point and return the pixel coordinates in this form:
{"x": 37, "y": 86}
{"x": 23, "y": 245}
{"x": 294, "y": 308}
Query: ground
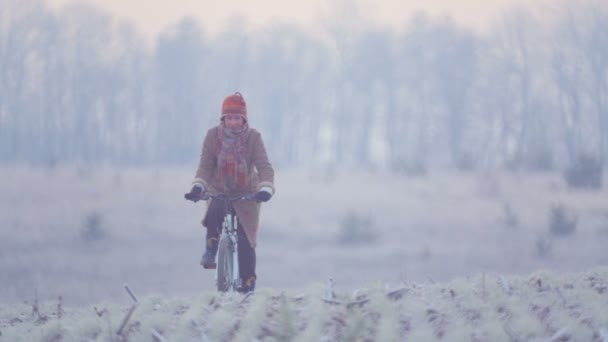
{"x": 82, "y": 233}
{"x": 543, "y": 306}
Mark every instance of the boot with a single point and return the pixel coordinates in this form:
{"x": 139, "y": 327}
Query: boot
{"x": 249, "y": 285}
{"x": 208, "y": 259}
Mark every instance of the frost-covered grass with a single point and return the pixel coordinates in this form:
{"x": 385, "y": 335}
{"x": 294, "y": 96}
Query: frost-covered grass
{"x": 543, "y": 306}
{"x": 80, "y": 233}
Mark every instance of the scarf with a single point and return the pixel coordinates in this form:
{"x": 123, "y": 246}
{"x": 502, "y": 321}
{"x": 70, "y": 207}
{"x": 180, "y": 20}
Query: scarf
{"x": 232, "y": 164}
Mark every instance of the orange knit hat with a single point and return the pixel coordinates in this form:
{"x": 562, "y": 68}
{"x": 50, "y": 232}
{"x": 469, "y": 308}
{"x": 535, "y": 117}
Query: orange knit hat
{"x": 234, "y": 104}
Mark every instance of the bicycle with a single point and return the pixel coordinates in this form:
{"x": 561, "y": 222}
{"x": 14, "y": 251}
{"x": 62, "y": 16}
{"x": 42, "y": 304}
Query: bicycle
{"x": 227, "y": 273}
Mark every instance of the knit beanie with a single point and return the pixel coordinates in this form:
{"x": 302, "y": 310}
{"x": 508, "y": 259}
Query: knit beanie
{"x": 234, "y": 104}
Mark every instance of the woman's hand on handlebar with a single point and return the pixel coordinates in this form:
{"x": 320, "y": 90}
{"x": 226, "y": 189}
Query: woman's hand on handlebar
{"x": 196, "y": 194}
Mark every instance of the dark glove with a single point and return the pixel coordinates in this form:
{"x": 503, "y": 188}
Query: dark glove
{"x": 195, "y": 194}
{"x": 262, "y": 196}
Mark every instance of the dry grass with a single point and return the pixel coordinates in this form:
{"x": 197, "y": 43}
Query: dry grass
{"x": 542, "y": 306}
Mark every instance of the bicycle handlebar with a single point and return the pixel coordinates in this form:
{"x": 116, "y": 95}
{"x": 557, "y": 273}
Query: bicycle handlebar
{"x": 229, "y": 198}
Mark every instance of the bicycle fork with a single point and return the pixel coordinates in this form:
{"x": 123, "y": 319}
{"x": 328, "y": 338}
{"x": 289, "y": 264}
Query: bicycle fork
{"x": 236, "y": 276}
{"x": 230, "y": 231}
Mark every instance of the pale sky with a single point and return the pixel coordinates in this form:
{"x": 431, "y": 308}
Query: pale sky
{"x": 151, "y": 16}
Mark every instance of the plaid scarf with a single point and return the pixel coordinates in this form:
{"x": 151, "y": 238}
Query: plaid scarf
{"x": 231, "y": 150}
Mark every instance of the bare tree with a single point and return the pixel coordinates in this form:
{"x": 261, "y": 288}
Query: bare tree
{"x": 513, "y": 79}
{"x": 179, "y": 57}
{"x": 580, "y": 64}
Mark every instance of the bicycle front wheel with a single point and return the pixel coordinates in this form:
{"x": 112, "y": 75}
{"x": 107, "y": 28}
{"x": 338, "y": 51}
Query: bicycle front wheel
{"x": 225, "y": 264}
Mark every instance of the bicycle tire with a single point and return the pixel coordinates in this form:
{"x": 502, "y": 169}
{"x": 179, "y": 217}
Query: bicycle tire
{"x": 224, "y": 264}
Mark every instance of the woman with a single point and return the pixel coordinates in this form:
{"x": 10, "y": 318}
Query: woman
{"x": 234, "y": 161}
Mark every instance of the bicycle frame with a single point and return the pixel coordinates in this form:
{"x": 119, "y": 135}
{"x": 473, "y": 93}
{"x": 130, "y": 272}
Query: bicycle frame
{"x": 228, "y": 245}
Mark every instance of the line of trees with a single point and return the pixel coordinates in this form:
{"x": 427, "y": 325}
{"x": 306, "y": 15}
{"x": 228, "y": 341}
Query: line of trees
{"x": 77, "y": 85}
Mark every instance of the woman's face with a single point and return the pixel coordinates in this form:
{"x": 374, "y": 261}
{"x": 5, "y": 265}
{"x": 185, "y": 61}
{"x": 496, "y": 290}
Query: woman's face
{"x": 233, "y": 122}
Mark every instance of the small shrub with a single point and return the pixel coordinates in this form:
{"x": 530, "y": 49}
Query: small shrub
{"x": 562, "y": 221}
{"x": 543, "y": 246}
{"x": 585, "y": 172}
{"x": 602, "y": 225}
{"x": 512, "y": 163}
{"x": 426, "y": 253}
{"x": 414, "y": 168}
{"x": 51, "y": 164}
{"x": 117, "y": 179}
{"x": 93, "y": 228}
{"x": 510, "y": 218}
{"x": 84, "y": 172}
{"x": 287, "y": 321}
{"x": 356, "y": 229}
{"x": 465, "y": 161}
{"x": 541, "y": 160}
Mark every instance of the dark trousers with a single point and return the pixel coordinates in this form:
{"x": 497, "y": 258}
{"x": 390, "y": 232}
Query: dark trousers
{"x": 213, "y": 222}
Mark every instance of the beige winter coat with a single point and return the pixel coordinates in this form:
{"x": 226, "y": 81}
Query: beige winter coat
{"x": 261, "y": 173}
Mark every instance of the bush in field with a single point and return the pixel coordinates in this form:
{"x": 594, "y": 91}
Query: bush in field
{"x": 562, "y": 221}
{"x": 92, "y": 229}
{"x": 410, "y": 168}
{"x": 541, "y": 160}
{"x": 356, "y": 228}
{"x": 117, "y": 179}
{"x": 465, "y": 161}
{"x": 543, "y": 246}
{"x": 51, "y": 164}
{"x": 84, "y": 172}
{"x": 585, "y": 172}
{"x": 510, "y": 218}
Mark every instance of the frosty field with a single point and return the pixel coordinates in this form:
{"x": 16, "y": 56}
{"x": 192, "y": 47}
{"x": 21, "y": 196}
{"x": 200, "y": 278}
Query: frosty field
{"x": 543, "y": 306}
{"x": 81, "y": 234}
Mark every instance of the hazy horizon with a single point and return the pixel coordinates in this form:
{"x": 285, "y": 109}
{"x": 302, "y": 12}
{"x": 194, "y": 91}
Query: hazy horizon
{"x": 158, "y": 15}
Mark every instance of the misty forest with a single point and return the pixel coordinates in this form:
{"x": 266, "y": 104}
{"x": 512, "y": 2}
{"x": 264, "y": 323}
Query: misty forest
{"x": 433, "y": 181}
{"x": 80, "y": 86}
